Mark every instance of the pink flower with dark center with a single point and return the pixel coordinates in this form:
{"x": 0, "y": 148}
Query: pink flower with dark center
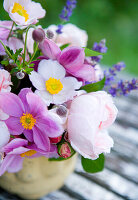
{"x": 29, "y": 115}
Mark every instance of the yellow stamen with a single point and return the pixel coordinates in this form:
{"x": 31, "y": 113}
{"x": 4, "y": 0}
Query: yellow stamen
{"x": 17, "y": 8}
{"x": 27, "y": 121}
{"x": 53, "y": 86}
{"x": 28, "y": 153}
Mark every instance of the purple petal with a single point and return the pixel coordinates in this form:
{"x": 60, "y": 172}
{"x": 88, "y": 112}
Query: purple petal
{"x": 6, "y": 163}
{"x": 41, "y": 139}
{"x": 22, "y": 96}
{"x": 15, "y": 143}
{"x": 36, "y": 105}
{"x": 29, "y": 135}
{"x": 16, "y": 164}
{"x": 86, "y": 73}
{"x": 72, "y": 58}
{"x": 11, "y": 104}
{"x": 14, "y": 125}
{"x": 50, "y": 49}
{"x": 49, "y": 126}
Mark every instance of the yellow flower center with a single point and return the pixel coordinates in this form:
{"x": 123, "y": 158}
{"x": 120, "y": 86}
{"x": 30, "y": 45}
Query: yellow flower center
{"x": 17, "y": 8}
{"x": 27, "y": 121}
{"x": 53, "y": 86}
{"x": 28, "y": 153}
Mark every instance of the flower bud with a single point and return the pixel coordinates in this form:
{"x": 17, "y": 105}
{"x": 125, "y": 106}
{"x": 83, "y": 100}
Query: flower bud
{"x": 1, "y": 67}
{"x": 61, "y": 111}
{"x": 50, "y": 34}
{"x": 65, "y": 150}
{"x": 38, "y": 35}
{"x": 56, "y": 140}
{"x": 20, "y": 75}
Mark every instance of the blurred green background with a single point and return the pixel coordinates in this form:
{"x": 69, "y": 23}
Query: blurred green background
{"x": 115, "y": 20}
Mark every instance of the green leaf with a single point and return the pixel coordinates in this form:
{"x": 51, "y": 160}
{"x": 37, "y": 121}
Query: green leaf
{"x": 93, "y": 166}
{"x": 93, "y": 87}
{"x": 14, "y": 70}
{"x": 64, "y": 46}
{"x": 5, "y": 62}
{"x": 89, "y": 52}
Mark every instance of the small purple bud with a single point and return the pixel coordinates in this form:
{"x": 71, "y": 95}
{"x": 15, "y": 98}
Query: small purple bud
{"x": 61, "y": 111}
{"x": 50, "y": 34}
{"x": 1, "y": 67}
{"x": 38, "y": 35}
{"x": 20, "y": 75}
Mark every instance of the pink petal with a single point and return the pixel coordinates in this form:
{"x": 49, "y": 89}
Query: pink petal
{"x": 14, "y": 125}
{"x": 22, "y": 96}
{"x": 6, "y": 163}
{"x": 72, "y": 58}
{"x": 41, "y": 139}
{"x": 50, "y": 49}
{"x": 36, "y": 105}
{"x": 29, "y": 135}
{"x": 49, "y": 126}
{"x": 11, "y": 104}
{"x": 15, "y": 143}
{"x": 16, "y": 164}
{"x": 86, "y": 73}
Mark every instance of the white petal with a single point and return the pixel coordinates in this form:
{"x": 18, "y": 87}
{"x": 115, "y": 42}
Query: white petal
{"x": 70, "y": 84}
{"x": 4, "y": 134}
{"x": 37, "y": 81}
{"x": 45, "y": 96}
{"x": 51, "y": 68}
{"x": 3, "y": 116}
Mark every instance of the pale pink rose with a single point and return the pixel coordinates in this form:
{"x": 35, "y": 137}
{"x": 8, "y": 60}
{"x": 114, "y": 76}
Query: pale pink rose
{"x": 4, "y": 134}
{"x": 89, "y": 116}
{"x": 99, "y": 74}
{"x": 5, "y": 81}
{"x": 71, "y": 34}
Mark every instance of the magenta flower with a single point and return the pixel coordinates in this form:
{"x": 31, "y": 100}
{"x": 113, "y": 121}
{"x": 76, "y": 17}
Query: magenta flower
{"x": 71, "y": 58}
{"x": 29, "y": 115}
{"x": 17, "y": 150}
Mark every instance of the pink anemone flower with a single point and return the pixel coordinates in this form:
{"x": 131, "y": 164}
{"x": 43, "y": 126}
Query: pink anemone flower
{"x": 18, "y": 149}
{"x": 71, "y": 58}
{"x": 29, "y": 115}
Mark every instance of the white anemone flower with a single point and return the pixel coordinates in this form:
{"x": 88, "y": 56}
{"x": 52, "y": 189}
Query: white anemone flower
{"x": 24, "y": 12}
{"x": 4, "y": 134}
{"x": 52, "y": 85}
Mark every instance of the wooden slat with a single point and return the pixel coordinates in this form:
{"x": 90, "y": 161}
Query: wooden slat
{"x": 57, "y": 195}
{"x": 112, "y": 182}
{"x": 88, "y": 189}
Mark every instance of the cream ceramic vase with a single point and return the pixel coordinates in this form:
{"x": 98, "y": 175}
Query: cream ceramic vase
{"x": 38, "y": 177}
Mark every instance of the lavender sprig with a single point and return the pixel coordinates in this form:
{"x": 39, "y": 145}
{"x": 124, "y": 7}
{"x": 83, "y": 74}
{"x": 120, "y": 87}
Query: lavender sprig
{"x": 112, "y": 72}
{"x": 100, "y": 47}
{"x": 123, "y": 87}
{"x": 66, "y": 13}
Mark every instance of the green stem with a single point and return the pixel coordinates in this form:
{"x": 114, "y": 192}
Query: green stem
{"x": 33, "y": 53}
{"x": 9, "y": 54}
{"x": 11, "y": 30}
{"x": 25, "y": 44}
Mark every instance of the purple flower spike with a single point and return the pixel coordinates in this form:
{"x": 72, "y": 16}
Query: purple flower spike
{"x": 100, "y": 47}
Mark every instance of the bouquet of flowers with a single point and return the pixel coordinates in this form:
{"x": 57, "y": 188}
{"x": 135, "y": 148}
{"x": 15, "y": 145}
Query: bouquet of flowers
{"x": 53, "y": 92}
